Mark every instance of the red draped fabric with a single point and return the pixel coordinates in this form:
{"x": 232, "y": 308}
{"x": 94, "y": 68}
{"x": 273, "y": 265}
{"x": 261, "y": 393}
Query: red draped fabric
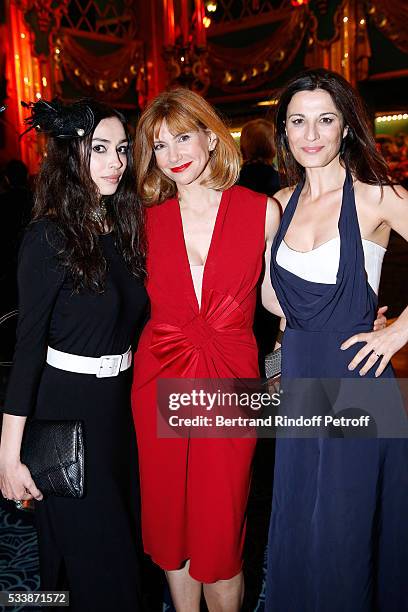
{"x": 194, "y": 491}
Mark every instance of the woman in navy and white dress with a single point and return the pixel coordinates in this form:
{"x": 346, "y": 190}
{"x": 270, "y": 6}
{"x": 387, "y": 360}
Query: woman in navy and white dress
{"x": 338, "y": 537}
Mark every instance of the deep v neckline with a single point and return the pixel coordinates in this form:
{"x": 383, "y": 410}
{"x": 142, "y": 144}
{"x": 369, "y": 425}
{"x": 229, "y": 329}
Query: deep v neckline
{"x": 217, "y": 222}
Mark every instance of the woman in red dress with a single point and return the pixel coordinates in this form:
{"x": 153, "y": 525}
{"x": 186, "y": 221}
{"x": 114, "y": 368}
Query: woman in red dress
{"x": 207, "y": 241}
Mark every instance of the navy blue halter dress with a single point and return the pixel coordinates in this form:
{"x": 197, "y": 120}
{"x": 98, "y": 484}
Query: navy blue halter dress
{"x": 338, "y": 539}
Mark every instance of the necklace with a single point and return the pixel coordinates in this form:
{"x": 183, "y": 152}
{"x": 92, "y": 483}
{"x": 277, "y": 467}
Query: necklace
{"x": 99, "y": 214}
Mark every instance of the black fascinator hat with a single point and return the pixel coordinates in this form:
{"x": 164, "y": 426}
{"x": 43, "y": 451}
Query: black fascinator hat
{"x": 60, "y": 120}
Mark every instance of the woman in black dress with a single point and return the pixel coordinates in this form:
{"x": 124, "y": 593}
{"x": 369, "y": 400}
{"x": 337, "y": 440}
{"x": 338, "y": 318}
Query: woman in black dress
{"x": 81, "y": 269}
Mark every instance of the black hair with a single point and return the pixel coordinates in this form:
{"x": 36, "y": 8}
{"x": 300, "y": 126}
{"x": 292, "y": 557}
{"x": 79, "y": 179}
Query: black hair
{"x": 66, "y": 193}
{"x": 358, "y": 150}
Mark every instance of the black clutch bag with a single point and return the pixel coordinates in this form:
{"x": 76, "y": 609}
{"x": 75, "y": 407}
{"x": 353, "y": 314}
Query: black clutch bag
{"x": 54, "y": 453}
{"x": 273, "y": 364}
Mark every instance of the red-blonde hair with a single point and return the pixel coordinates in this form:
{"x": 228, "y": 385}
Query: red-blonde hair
{"x": 184, "y": 111}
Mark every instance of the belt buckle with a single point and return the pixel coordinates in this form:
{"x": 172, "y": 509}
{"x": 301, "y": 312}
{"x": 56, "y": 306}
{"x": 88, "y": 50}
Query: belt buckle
{"x": 109, "y": 365}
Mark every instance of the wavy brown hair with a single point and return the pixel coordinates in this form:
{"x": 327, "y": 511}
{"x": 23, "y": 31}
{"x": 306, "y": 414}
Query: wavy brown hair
{"x": 184, "y": 111}
{"x": 358, "y": 151}
{"x": 66, "y": 193}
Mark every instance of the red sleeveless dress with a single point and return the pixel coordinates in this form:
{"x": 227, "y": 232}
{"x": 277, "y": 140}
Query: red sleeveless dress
{"x": 194, "y": 491}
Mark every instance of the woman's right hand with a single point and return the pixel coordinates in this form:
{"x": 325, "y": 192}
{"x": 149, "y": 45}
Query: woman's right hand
{"x": 16, "y": 482}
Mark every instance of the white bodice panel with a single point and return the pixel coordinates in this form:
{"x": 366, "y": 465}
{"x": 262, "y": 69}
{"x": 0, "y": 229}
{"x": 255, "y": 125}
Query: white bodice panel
{"x": 320, "y": 265}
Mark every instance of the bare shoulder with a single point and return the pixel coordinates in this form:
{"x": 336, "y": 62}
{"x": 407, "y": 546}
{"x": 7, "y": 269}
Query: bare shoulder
{"x": 283, "y": 196}
{"x": 396, "y": 194}
{"x": 388, "y": 206}
{"x": 374, "y": 195}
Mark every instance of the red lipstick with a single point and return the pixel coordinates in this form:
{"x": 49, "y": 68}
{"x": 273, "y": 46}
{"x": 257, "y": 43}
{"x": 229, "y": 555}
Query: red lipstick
{"x": 181, "y": 168}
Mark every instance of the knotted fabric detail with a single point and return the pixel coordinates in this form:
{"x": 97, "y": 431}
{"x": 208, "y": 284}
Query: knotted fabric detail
{"x": 179, "y": 347}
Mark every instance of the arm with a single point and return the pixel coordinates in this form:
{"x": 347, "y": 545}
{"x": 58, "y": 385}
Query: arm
{"x": 382, "y": 344}
{"x": 39, "y": 280}
{"x": 268, "y": 295}
{"x": 282, "y": 327}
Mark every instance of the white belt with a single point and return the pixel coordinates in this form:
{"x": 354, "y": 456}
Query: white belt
{"x": 103, "y": 367}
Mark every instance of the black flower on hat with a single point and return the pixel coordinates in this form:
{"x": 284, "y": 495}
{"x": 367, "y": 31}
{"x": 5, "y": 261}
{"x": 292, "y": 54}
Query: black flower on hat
{"x": 60, "y": 120}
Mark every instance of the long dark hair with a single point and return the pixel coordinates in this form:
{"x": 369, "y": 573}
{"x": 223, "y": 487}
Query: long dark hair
{"x": 358, "y": 151}
{"x": 66, "y": 193}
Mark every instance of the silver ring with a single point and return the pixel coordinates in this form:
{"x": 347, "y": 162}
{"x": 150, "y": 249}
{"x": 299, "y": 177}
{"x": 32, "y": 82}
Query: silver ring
{"x": 19, "y": 504}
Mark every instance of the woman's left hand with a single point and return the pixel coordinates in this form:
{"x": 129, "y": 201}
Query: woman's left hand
{"x": 382, "y": 345}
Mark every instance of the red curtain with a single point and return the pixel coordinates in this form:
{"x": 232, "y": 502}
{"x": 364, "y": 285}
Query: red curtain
{"x": 253, "y": 65}
{"x": 111, "y": 73}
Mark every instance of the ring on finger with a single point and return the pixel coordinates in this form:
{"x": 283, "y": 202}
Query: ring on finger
{"x": 19, "y": 504}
